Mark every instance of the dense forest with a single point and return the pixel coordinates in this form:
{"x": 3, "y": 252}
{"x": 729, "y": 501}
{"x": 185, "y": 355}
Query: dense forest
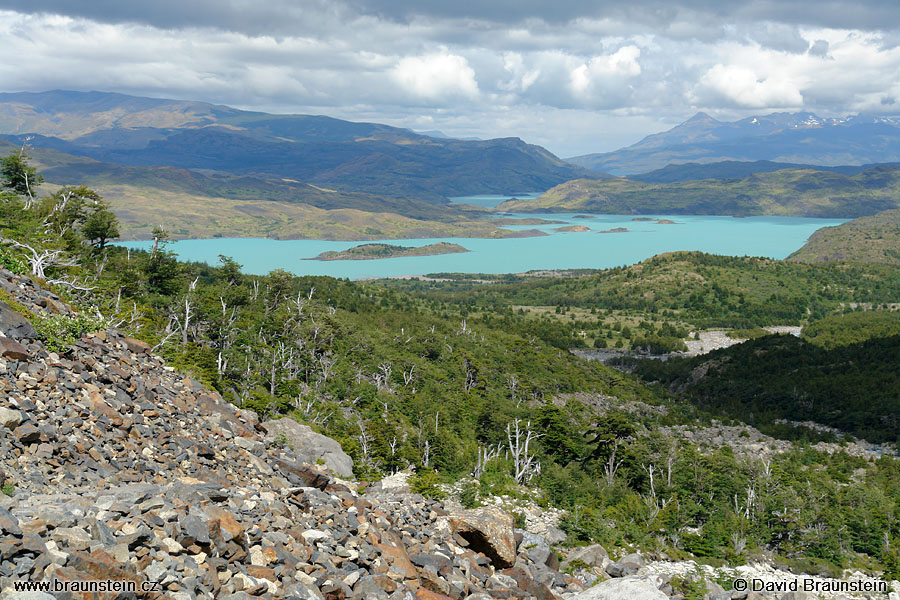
{"x": 853, "y": 387}
{"x": 474, "y": 383}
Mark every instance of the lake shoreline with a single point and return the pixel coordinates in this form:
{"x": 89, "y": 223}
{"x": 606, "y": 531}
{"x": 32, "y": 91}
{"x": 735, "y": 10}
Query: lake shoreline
{"x": 527, "y": 248}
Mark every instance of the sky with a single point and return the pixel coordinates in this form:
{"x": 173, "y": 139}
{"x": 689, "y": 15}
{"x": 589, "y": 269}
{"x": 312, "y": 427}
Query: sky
{"x": 574, "y": 76}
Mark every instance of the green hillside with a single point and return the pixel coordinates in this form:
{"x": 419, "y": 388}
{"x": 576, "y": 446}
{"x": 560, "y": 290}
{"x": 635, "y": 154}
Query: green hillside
{"x": 873, "y": 239}
{"x": 852, "y": 387}
{"x": 789, "y": 192}
{"x": 427, "y": 375}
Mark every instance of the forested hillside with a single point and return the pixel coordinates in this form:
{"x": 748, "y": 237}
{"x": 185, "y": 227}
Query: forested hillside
{"x": 458, "y": 385}
{"x": 788, "y": 192}
{"x": 874, "y": 239}
{"x": 853, "y": 387}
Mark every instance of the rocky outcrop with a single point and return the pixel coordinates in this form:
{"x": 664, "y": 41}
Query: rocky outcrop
{"x": 309, "y": 446}
{"x": 624, "y": 588}
{"x": 13, "y": 325}
{"x": 124, "y": 469}
{"x": 487, "y": 530}
{"x": 590, "y": 556}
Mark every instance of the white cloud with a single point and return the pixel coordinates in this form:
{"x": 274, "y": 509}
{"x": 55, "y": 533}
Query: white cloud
{"x": 436, "y": 76}
{"x": 601, "y": 72}
{"x": 745, "y": 87}
{"x": 576, "y": 85}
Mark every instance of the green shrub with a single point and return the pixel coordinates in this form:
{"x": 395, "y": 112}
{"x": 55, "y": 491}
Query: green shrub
{"x": 8, "y": 488}
{"x": 468, "y": 495}
{"x": 427, "y": 484}
{"x": 748, "y": 333}
{"x": 690, "y": 587}
{"x": 12, "y": 262}
{"x": 281, "y": 441}
{"x": 59, "y": 332}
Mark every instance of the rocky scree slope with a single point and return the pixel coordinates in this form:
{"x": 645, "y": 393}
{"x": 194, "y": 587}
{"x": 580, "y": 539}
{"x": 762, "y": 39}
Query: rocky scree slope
{"x": 124, "y": 469}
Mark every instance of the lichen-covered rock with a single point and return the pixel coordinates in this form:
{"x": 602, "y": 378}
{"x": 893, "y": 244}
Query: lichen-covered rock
{"x": 311, "y": 447}
{"x": 13, "y": 325}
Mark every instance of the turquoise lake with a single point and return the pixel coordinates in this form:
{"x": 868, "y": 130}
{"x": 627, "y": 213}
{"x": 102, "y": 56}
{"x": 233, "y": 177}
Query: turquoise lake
{"x": 773, "y": 237}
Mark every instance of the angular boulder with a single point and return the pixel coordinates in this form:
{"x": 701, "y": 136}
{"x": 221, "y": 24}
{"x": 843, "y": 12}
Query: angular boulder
{"x": 13, "y": 349}
{"x": 10, "y": 418}
{"x": 311, "y": 447}
{"x": 593, "y": 556}
{"x": 623, "y": 588}
{"x": 489, "y": 531}
{"x": 13, "y": 325}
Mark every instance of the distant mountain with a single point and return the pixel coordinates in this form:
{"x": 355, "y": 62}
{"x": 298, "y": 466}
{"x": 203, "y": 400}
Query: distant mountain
{"x": 788, "y": 192}
{"x": 316, "y": 150}
{"x": 802, "y": 138}
{"x": 736, "y": 169}
{"x": 873, "y": 239}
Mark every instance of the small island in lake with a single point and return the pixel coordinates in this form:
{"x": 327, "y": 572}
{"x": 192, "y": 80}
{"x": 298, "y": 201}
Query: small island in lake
{"x": 575, "y": 228}
{"x": 615, "y": 230}
{"x": 657, "y": 221}
{"x": 377, "y": 251}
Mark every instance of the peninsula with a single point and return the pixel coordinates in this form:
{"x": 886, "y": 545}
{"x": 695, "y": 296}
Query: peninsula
{"x": 378, "y": 251}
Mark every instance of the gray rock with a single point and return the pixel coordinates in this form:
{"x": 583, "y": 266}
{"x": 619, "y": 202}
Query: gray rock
{"x": 74, "y": 537}
{"x": 623, "y": 588}
{"x": 13, "y": 325}
{"x": 30, "y": 596}
{"x": 9, "y": 524}
{"x": 554, "y": 535}
{"x": 304, "y": 592}
{"x": 632, "y": 561}
{"x": 799, "y": 596}
{"x": 593, "y": 556}
{"x": 10, "y": 418}
{"x": 311, "y": 447}
{"x": 538, "y": 550}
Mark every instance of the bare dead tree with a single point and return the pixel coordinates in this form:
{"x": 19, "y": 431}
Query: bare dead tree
{"x": 169, "y": 335}
{"x": 188, "y": 310}
{"x": 612, "y": 465}
{"x": 363, "y": 439}
{"x": 650, "y": 470}
{"x": 383, "y": 379}
{"x": 326, "y": 363}
{"x": 738, "y": 542}
{"x": 512, "y": 382}
{"x": 471, "y": 379}
{"x": 485, "y": 455}
{"x": 409, "y": 376}
{"x": 524, "y": 465}
{"x": 41, "y": 259}
{"x": 29, "y": 196}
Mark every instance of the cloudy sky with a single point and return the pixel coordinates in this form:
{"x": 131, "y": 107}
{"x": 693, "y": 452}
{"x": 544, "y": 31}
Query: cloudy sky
{"x": 575, "y": 76}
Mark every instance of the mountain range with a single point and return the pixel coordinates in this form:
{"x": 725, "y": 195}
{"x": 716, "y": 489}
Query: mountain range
{"x": 316, "y": 150}
{"x": 207, "y": 169}
{"x": 781, "y": 137}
